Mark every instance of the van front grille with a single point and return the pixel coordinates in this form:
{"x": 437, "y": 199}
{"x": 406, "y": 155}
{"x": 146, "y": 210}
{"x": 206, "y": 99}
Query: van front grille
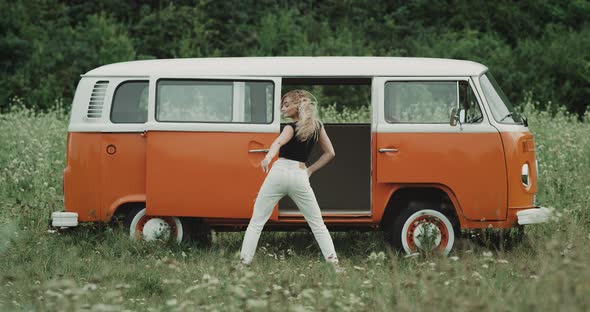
{"x": 97, "y": 99}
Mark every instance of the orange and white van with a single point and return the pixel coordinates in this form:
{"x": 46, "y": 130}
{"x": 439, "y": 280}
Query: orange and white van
{"x": 174, "y": 147}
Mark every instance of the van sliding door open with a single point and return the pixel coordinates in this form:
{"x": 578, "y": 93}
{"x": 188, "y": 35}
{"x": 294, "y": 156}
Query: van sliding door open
{"x": 343, "y": 186}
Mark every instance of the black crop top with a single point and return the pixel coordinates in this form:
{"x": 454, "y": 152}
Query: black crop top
{"x": 298, "y": 150}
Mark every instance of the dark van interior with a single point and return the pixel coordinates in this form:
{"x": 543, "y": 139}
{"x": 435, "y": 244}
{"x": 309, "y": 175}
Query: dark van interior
{"x": 343, "y": 186}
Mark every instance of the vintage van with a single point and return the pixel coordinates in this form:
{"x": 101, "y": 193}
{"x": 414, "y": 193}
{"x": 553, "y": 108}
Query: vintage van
{"x": 174, "y": 148}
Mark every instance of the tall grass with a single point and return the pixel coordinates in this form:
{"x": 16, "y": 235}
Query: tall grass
{"x": 98, "y": 268}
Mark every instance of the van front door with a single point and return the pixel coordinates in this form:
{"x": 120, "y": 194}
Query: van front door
{"x": 417, "y": 145}
{"x": 206, "y": 137}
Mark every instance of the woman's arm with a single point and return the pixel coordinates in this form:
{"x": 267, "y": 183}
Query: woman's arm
{"x": 283, "y": 138}
{"x": 328, "y": 154}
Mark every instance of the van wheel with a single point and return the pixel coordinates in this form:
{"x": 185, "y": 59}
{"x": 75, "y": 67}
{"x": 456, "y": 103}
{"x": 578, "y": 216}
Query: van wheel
{"x": 422, "y": 230}
{"x": 197, "y": 232}
{"x": 144, "y": 227}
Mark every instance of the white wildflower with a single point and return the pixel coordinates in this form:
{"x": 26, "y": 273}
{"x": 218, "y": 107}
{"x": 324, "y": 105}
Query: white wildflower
{"x": 90, "y": 287}
{"x": 308, "y": 293}
{"x": 249, "y": 274}
{"x": 192, "y": 288}
{"x": 256, "y": 304}
{"x": 327, "y": 294}
{"x": 105, "y": 307}
{"x": 171, "y": 302}
{"x": 298, "y": 308}
{"x": 476, "y": 275}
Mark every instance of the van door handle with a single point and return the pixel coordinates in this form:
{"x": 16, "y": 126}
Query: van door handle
{"x": 388, "y": 150}
{"x": 262, "y": 150}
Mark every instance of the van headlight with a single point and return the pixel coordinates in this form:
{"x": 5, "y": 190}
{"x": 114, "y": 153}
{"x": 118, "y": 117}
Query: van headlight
{"x": 526, "y": 179}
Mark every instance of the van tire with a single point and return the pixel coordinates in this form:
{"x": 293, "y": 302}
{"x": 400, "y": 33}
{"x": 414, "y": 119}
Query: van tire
{"x": 197, "y": 232}
{"x": 406, "y": 234}
{"x": 143, "y": 227}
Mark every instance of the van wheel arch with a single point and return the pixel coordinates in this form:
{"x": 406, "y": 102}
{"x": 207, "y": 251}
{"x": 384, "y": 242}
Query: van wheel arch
{"x": 123, "y": 215}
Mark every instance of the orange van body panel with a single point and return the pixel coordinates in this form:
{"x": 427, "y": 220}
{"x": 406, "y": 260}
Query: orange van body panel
{"x": 380, "y": 192}
{"x": 383, "y": 191}
{"x": 205, "y": 174}
{"x": 474, "y": 171}
{"x": 123, "y": 170}
{"x": 82, "y": 176}
{"x": 98, "y": 179}
{"x": 520, "y": 149}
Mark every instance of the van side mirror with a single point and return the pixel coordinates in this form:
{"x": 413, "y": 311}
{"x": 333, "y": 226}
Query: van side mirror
{"x": 454, "y": 117}
{"x": 525, "y": 121}
{"x": 462, "y": 116}
{"x": 457, "y": 117}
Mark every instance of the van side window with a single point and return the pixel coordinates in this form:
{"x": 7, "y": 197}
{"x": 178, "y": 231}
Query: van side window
{"x": 258, "y": 102}
{"x": 130, "y": 102}
{"x": 214, "y": 101}
{"x": 469, "y": 103}
{"x": 420, "y": 101}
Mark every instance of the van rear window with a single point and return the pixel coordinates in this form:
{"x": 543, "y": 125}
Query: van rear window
{"x": 130, "y": 102}
{"x": 214, "y": 101}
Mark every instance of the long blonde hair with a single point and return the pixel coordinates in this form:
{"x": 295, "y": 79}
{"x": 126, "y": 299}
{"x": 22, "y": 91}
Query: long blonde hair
{"x": 308, "y": 125}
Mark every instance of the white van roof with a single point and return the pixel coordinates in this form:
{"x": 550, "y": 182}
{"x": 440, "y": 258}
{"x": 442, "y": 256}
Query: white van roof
{"x": 300, "y": 66}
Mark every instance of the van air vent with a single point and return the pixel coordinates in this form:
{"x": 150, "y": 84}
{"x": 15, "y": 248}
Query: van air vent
{"x": 97, "y": 99}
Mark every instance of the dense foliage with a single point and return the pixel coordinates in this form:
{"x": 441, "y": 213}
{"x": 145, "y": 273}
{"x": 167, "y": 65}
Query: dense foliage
{"x": 537, "y": 49}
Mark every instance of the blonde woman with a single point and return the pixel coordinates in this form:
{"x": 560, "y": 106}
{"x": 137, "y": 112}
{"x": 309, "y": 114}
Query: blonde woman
{"x": 289, "y": 175}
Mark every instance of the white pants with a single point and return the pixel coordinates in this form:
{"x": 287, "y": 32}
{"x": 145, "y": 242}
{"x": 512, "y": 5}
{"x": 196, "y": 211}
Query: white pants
{"x": 286, "y": 178}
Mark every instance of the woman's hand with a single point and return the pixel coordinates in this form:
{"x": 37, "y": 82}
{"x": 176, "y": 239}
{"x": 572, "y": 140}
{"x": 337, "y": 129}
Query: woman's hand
{"x": 264, "y": 164}
{"x": 308, "y": 172}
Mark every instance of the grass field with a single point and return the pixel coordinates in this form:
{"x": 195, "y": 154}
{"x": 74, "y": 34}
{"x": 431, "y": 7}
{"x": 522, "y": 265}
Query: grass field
{"x": 98, "y": 268}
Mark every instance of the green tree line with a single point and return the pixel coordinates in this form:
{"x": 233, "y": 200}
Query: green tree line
{"x": 536, "y": 49}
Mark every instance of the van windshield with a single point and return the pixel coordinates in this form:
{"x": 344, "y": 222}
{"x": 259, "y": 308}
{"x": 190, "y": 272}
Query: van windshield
{"x": 501, "y": 108}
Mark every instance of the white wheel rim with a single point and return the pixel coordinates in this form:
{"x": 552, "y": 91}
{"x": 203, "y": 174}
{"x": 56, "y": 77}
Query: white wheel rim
{"x": 150, "y": 228}
{"x": 427, "y": 220}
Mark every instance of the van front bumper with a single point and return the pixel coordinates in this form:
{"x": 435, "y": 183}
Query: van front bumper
{"x": 64, "y": 219}
{"x": 534, "y": 215}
